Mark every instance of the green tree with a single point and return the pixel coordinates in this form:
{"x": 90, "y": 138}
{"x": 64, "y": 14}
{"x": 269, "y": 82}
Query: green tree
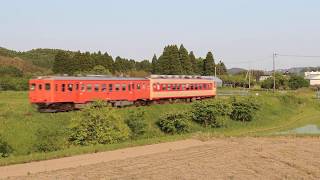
{"x": 185, "y": 60}
{"x": 62, "y": 63}
{"x": 221, "y": 68}
{"x": 155, "y": 68}
{"x": 193, "y": 61}
{"x": 144, "y": 65}
{"x": 10, "y": 71}
{"x": 169, "y": 61}
{"x": 281, "y": 82}
{"x": 99, "y": 69}
{"x": 208, "y": 65}
{"x": 296, "y": 82}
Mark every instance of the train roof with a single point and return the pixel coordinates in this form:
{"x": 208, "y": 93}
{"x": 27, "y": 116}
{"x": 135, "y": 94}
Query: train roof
{"x": 83, "y": 78}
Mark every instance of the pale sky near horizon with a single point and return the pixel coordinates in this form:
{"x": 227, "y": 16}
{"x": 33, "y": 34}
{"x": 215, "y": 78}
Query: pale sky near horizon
{"x": 236, "y": 31}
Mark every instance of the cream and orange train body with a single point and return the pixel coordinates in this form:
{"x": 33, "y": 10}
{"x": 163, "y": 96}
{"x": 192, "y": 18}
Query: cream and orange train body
{"x": 65, "y": 93}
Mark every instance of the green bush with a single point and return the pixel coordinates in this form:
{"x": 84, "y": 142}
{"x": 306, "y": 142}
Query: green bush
{"x": 97, "y": 124}
{"x": 174, "y": 122}
{"x": 136, "y": 122}
{"x": 281, "y": 82}
{"x": 13, "y": 83}
{"x": 49, "y": 138}
{"x": 243, "y": 109}
{"x": 5, "y": 148}
{"x": 296, "y": 82}
{"x": 211, "y": 113}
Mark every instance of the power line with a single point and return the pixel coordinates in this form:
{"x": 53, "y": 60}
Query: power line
{"x": 291, "y": 55}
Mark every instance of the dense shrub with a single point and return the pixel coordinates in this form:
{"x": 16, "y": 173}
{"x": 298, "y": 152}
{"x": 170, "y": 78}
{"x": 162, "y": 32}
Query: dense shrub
{"x": 5, "y": 148}
{"x": 296, "y": 82}
{"x": 97, "y": 124}
{"x": 243, "y": 109}
{"x": 49, "y": 138}
{"x": 211, "y": 113}
{"x": 136, "y": 122}
{"x": 281, "y": 82}
{"x": 13, "y": 83}
{"x": 10, "y": 71}
{"x": 174, "y": 122}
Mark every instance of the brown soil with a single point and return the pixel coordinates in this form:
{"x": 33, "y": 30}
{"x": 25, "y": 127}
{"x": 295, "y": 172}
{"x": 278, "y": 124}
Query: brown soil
{"x": 220, "y": 158}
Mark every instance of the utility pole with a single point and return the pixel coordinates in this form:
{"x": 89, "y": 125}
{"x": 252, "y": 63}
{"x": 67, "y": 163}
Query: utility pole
{"x": 274, "y": 72}
{"x": 215, "y": 71}
{"x": 249, "y": 79}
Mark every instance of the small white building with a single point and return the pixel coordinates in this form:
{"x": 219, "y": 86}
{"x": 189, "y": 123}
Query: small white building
{"x": 264, "y": 77}
{"x": 314, "y": 77}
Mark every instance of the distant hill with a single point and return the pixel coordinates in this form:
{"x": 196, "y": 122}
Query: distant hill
{"x": 39, "y": 57}
{"x": 25, "y": 66}
{"x": 235, "y": 70}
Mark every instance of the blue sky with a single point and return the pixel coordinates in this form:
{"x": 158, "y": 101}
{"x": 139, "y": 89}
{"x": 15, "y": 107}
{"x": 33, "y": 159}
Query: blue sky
{"x": 236, "y": 31}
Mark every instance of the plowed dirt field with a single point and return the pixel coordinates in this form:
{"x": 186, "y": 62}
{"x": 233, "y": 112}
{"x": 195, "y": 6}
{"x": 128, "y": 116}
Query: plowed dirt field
{"x": 219, "y": 158}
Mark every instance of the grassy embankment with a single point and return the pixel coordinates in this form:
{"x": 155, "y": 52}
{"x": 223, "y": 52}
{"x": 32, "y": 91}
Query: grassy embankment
{"x": 19, "y": 122}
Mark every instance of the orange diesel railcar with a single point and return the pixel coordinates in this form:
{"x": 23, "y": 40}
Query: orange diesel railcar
{"x": 63, "y": 93}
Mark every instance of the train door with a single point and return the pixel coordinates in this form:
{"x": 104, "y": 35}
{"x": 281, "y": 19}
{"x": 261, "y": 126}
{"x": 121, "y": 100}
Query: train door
{"x": 131, "y": 91}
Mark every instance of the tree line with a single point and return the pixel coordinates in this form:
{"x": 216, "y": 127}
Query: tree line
{"x": 173, "y": 60}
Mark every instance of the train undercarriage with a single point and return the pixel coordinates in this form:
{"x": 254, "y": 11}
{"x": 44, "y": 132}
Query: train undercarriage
{"x": 70, "y": 106}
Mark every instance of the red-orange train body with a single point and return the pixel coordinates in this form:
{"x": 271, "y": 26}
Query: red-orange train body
{"x": 64, "y": 93}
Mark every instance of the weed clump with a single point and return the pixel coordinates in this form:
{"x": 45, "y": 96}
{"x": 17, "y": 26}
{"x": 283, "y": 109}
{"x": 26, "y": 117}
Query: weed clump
{"x": 5, "y": 148}
{"x": 49, "y": 138}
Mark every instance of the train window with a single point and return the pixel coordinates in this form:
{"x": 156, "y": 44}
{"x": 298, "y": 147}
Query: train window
{"x": 187, "y": 87}
{"x": 83, "y": 87}
{"x": 124, "y": 87}
{"x": 103, "y": 87}
{"x": 56, "y": 87}
{"x": 174, "y": 87}
{"x": 178, "y": 87}
{"x": 117, "y": 87}
{"x": 196, "y": 86}
{"x": 132, "y": 86}
{"x": 183, "y": 87}
{"x": 89, "y": 87}
{"x": 138, "y": 87}
{"x": 191, "y": 86}
{"x": 169, "y": 87}
{"x": 96, "y": 87}
{"x": 164, "y": 87}
{"x": 200, "y": 86}
{"x": 47, "y": 87}
{"x": 129, "y": 87}
{"x": 154, "y": 86}
{"x": 158, "y": 87}
{"x": 77, "y": 87}
{"x": 32, "y": 87}
{"x": 204, "y": 86}
{"x": 110, "y": 88}
{"x": 40, "y": 86}
{"x": 70, "y": 86}
{"x": 63, "y": 87}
